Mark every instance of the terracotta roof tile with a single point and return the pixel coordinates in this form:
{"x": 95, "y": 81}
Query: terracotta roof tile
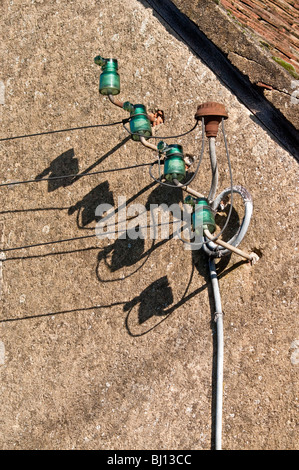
{"x": 275, "y": 21}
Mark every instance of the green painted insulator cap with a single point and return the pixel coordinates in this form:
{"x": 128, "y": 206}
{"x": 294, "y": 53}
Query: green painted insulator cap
{"x": 138, "y": 109}
{"x": 110, "y": 64}
{"x": 99, "y": 60}
{"x": 161, "y": 146}
{"x": 127, "y": 106}
{"x": 190, "y": 200}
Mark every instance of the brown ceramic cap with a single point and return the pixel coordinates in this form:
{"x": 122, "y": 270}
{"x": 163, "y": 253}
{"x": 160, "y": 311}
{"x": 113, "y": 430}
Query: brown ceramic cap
{"x": 212, "y": 113}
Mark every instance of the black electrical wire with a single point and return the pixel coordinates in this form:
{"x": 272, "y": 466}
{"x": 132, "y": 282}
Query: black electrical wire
{"x": 175, "y": 136}
{"x": 63, "y": 130}
{"x": 157, "y": 136}
{"x": 119, "y": 169}
{"x": 76, "y": 175}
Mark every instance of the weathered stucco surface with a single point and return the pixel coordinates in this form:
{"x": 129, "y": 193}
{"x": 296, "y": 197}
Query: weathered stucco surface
{"x": 104, "y": 344}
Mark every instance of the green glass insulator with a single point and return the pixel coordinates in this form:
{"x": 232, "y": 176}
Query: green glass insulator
{"x": 140, "y": 124}
{"x": 174, "y": 166}
{"x": 109, "y": 78}
{"x": 203, "y": 217}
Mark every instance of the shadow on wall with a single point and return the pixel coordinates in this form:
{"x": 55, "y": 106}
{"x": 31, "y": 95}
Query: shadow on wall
{"x": 65, "y": 168}
{"x": 153, "y": 300}
{"x": 86, "y": 208}
{"x": 157, "y": 298}
{"x": 129, "y": 250}
{"x": 64, "y": 165}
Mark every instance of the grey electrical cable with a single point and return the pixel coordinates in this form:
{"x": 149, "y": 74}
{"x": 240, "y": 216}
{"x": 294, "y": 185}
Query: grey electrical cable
{"x": 216, "y": 251}
{"x": 204, "y": 241}
{"x": 214, "y": 167}
{"x": 231, "y": 182}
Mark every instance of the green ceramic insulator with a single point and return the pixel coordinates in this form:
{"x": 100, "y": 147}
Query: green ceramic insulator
{"x": 109, "y": 78}
{"x": 203, "y": 217}
{"x": 140, "y": 124}
{"x": 174, "y": 166}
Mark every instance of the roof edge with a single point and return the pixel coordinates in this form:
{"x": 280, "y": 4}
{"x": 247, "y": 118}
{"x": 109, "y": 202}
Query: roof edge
{"x": 246, "y": 51}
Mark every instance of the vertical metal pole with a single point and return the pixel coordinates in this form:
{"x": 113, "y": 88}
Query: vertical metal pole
{"x": 220, "y": 354}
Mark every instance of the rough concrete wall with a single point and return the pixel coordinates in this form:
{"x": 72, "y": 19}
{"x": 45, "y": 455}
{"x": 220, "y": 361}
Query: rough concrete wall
{"x": 109, "y": 344}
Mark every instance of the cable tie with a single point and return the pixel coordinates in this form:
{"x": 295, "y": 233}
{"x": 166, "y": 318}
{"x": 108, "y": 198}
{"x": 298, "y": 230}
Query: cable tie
{"x": 218, "y": 315}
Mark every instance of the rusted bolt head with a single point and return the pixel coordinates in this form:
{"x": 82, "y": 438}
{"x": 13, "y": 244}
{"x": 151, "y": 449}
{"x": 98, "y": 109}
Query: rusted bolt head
{"x": 212, "y": 113}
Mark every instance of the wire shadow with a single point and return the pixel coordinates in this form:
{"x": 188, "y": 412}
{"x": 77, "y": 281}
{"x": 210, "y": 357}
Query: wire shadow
{"x": 153, "y": 300}
{"x": 62, "y": 312}
{"x": 87, "y": 206}
{"x": 122, "y": 253}
{"x": 103, "y": 157}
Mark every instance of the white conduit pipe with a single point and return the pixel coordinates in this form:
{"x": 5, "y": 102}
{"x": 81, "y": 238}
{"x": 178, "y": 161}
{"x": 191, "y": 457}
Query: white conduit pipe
{"x": 220, "y": 354}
